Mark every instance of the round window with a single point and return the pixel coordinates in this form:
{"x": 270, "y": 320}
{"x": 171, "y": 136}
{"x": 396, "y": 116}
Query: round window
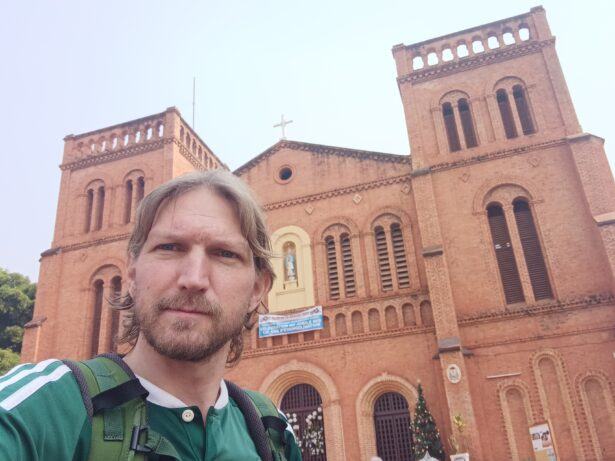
{"x": 285, "y": 173}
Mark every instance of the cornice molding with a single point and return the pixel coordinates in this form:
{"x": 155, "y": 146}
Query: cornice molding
{"x": 502, "y": 153}
{"x": 337, "y": 192}
{"x": 79, "y": 246}
{"x": 478, "y": 60}
{"x": 322, "y": 150}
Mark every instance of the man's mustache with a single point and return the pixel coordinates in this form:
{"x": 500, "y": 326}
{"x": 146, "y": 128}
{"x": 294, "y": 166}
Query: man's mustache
{"x": 189, "y": 302}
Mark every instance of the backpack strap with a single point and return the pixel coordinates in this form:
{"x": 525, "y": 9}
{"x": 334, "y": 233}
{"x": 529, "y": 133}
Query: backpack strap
{"x": 115, "y": 403}
{"x": 264, "y": 423}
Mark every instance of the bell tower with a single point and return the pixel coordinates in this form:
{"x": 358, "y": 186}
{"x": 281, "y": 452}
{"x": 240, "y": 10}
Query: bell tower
{"x": 495, "y": 138}
{"x": 105, "y": 174}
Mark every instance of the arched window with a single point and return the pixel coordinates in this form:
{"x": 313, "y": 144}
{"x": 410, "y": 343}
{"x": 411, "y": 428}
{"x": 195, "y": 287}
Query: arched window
{"x": 523, "y": 109}
{"x": 373, "y": 318}
{"x": 509, "y": 274}
{"x": 506, "y": 113}
{"x": 340, "y": 325}
{"x": 97, "y": 305}
{"x": 100, "y": 208}
{"x": 386, "y": 280}
{"x": 302, "y": 405}
{"x": 399, "y": 255}
{"x": 140, "y": 189}
{"x": 89, "y": 207}
{"x": 451, "y": 127}
{"x": 390, "y": 318}
{"x": 427, "y": 314}
{"x": 347, "y": 265}
{"x": 116, "y": 287}
{"x": 128, "y": 202}
{"x": 334, "y": 283}
{"x": 392, "y": 424}
{"x": 532, "y": 251}
{"x": 467, "y": 124}
{"x": 357, "y": 322}
{"x": 407, "y": 311}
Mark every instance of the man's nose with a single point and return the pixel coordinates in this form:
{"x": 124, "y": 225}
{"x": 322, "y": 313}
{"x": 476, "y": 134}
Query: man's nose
{"x": 194, "y": 271}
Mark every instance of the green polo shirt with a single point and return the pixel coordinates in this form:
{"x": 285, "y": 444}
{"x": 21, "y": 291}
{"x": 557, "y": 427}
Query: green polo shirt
{"x": 42, "y": 417}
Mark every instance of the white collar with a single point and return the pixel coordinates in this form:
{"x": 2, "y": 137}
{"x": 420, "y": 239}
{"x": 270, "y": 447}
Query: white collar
{"x": 161, "y": 397}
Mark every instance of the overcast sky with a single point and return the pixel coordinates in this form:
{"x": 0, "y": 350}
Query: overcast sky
{"x": 71, "y": 67}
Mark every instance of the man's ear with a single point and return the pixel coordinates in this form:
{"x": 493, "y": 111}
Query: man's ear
{"x": 262, "y": 285}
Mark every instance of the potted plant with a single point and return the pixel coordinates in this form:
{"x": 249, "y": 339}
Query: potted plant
{"x": 458, "y": 442}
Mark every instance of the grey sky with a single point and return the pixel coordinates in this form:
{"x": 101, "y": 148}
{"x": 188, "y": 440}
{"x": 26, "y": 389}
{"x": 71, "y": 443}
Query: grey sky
{"x": 71, "y": 67}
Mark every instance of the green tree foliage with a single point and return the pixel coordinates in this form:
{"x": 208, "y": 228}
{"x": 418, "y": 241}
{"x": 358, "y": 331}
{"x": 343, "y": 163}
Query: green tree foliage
{"x": 8, "y": 359}
{"x": 17, "y": 295}
{"x": 425, "y": 434}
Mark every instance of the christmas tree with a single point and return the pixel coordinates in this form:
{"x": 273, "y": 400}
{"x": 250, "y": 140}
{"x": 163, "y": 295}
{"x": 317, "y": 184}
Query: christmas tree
{"x": 425, "y": 434}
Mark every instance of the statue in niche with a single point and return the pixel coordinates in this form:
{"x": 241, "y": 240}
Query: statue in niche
{"x": 290, "y": 262}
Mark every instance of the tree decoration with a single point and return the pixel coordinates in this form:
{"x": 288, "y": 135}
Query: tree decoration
{"x": 425, "y": 434}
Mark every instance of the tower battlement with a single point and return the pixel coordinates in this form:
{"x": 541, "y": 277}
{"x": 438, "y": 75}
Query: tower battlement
{"x": 471, "y": 46}
{"x": 138, "y": 136}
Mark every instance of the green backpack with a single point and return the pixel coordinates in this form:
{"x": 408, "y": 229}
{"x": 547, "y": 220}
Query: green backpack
{"x": 114, "y": 400}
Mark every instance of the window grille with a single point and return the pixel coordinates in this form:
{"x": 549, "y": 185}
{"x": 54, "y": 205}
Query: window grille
{"x": 532, "y": 251}
{"x": 509, "y": 274}
{"x": 347, "y": 265}
{"x": 467, "y": 124}
{"x": 334, "y": 283}
{"x": 299, "y": 402}
{"x": 506, "y": 113}
{"x": 399, "y": 255}
{"x": 392, "y": 424}
{"x": 383, "y": 259}
{"x": 523, "y": 109}
{"x": 451, "y": 127}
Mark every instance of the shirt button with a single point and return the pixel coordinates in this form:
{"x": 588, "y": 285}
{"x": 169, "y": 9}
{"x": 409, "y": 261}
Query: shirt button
{"x": 188, "y": 415}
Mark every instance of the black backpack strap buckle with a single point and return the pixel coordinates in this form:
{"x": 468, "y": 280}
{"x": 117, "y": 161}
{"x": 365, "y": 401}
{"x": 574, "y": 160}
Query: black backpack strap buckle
{"x": 134, "y": 440}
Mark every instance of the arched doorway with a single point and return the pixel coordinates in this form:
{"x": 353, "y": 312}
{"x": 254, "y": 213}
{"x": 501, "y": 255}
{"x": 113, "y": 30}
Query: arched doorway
{"x": 303, "y": 407}
{"x": 392, "y": 424}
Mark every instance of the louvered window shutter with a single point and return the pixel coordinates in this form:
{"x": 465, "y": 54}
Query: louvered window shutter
{"x": 467, "y": 124}
{"x": 349, "y": 281}
{"x": 334, "y": 284}
{"x": 506, "y": 113}
{"x": 523, "y": 109}
{"x": 532, "y": 251}
{"x": 399, "y": 255}
{"x": 451, "y": 127}
{"x": 383, "y": 259}
{"x": 507, "y": 265}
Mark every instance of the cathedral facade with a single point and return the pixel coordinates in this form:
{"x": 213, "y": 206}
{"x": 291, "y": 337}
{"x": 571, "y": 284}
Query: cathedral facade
{"x": 481, "y": 265}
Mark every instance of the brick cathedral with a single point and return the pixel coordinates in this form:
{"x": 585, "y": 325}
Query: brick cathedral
{"x": 481, "y": 265}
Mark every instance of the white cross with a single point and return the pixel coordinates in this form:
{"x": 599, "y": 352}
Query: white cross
{"x": 282, "y": 125}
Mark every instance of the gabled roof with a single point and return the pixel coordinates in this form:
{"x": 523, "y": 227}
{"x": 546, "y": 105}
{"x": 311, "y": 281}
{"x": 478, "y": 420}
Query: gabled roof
{"x": 323, "y": 150}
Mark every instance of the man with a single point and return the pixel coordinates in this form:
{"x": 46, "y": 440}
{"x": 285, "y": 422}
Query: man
{"x": 198, "y": 268}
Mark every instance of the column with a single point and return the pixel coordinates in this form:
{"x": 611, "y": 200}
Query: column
{"x": 445, "y": 317}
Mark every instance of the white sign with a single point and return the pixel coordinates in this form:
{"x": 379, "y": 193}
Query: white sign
{"x": 276, "y": 325}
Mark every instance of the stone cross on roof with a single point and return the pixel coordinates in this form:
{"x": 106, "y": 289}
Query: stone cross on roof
{"x": 282, "y": 125}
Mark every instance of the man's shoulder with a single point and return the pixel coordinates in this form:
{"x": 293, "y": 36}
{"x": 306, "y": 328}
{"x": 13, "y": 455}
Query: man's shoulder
{"x": 32, "y": 384}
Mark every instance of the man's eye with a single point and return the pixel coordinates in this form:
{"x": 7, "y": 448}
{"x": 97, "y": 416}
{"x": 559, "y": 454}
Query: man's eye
{"x": 167, "y": 247}
{"x": 227, "y": 254}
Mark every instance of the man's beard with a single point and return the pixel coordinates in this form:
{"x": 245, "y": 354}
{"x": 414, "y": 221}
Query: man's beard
{"x": 183, "y": 338}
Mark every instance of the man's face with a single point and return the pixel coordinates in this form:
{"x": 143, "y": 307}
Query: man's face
{"x": 194, "y": 282}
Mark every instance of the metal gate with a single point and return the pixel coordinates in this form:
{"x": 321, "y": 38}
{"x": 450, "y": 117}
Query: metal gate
{"x": 303, "y": 407}
{"x": 392, "y": 422}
